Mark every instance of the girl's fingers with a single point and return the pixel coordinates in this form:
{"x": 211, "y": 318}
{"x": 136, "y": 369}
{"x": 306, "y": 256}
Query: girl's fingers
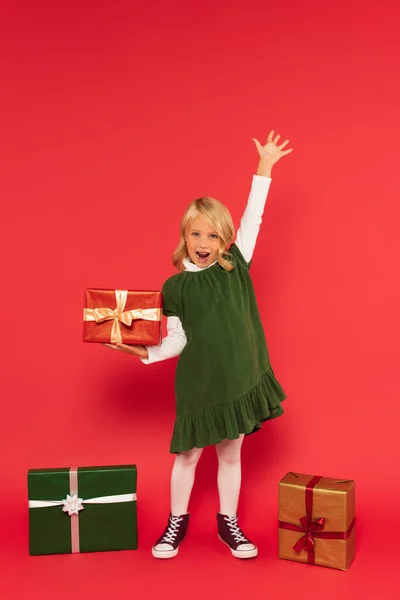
{"x": 117, "y": 346}
{"x": 272, "y": 140}
{"x": 123, "y": 347}
{"x": 258, "y": 146}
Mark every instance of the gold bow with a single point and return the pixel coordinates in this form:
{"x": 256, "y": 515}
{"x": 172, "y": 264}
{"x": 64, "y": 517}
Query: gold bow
{"x": 119, "y": 315}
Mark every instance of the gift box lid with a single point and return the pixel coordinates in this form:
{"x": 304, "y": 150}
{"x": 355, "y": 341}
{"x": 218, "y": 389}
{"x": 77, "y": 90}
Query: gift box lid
{"x": 332, "y": 498}
{"x": 50, "y": 483}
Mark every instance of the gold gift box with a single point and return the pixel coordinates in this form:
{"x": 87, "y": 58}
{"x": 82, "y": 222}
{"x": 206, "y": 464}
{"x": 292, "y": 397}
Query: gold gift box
{"x": 317, "y": 520}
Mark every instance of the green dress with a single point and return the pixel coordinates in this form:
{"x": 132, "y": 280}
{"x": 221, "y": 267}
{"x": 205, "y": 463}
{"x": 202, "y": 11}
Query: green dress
{"x": 224, "y": 384}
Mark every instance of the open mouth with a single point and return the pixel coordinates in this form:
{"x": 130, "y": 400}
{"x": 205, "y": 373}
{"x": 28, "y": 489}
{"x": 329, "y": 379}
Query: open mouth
{"x": 202, "y": 256}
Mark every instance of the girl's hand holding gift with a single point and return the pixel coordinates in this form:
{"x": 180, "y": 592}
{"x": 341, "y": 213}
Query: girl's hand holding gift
{"x": 140, "y": 351}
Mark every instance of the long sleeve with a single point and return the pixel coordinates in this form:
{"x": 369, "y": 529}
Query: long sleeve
{"x": 172, "y": 345}
{"x": 252, "y": 217}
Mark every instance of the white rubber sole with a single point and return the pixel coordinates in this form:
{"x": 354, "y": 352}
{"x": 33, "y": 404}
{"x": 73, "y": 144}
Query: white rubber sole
{"x": 241, "y": 553}
{"x": 164, "y": 553}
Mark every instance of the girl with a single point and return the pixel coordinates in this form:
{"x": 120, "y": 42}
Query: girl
{"x": 225, "y": 386}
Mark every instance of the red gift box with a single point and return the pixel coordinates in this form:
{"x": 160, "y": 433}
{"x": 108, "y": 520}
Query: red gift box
{"x": 122, "y": 316}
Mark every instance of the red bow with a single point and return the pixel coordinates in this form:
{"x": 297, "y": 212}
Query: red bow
{"x": 306, "y": 542}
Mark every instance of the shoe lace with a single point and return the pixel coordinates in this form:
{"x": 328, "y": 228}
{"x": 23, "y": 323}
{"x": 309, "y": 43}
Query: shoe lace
{"x": 172, "y": 529}
{"x": 235, "y": 530}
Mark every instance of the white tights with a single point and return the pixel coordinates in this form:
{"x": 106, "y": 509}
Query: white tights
{"x": 229, "y": 477}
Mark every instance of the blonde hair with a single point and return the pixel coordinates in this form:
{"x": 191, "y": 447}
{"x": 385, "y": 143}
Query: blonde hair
{"x": 219, "y": 218}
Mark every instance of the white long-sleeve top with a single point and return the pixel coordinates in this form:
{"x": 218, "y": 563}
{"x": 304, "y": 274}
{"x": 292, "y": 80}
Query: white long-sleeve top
{"x": 175, "y": 340}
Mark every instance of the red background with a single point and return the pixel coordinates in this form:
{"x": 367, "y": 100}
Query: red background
{"x": 115, "y": 116}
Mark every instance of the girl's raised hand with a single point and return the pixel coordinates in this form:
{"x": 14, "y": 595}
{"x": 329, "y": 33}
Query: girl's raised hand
{"x": 271, "y": 152}
{"x": 140, "y": 351}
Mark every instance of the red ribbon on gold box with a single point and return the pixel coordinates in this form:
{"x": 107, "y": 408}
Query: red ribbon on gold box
{"x": 317, "y": 520}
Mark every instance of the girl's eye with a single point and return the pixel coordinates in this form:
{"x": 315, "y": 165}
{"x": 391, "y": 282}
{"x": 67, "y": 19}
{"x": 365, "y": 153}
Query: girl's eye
{"x": 195, "y": 233}
{"x": 214, "y": 236}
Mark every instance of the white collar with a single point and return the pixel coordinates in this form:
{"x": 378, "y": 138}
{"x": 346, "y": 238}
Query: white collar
{"x": 189, "y": 266}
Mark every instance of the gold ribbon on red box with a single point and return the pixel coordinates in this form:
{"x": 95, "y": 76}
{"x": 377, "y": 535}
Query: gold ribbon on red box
{"x": 119, "y": 315}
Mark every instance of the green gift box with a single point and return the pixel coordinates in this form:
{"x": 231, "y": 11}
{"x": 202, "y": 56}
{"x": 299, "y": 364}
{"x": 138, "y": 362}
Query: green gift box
{"x": 82, "y": 509}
